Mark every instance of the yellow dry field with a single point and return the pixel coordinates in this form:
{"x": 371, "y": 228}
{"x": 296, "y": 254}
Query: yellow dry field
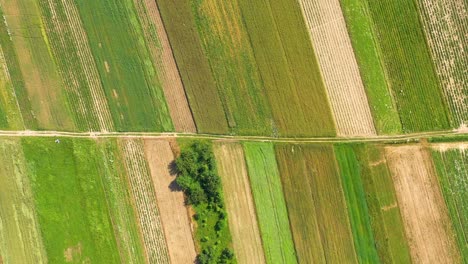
{"x": 161, "y": 52}
{"x": 174, "y": 214}
{"x": 339, "y": 67}
{"x": 427, "y": 224}
{"x": 43, "y": 85}
{"x": 144, "y": 200}
{"x": 239, "y": 203}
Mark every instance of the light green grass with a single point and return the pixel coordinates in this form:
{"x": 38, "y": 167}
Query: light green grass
{"x": 232, "y": 62}
{"x": 387, "y": 225}
{"x": 120, "y": 204}
{"x": 408, "y": 65}
{"x": 270, "y": 204}
{"x": 357, "y": 206}
{"x": 20, "y": 238}
{"x": 70, "y": 200}
{"x": 288, "y": 67}
{"x": 363, "y": 39}
{"x": 316, "y": 204}
{"x": 134, "y": 93}
{"x": 452, "y": 169}
{"x": 199, "y": 83}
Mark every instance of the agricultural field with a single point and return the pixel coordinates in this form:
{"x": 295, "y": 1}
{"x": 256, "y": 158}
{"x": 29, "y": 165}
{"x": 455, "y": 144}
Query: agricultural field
{"x": 444, "y": 24}
{"x": 340, "y": 71}
{"x": 368, "y": 55}
{"x": 408, "y": 65}
{"x": 425, "y": 216}
{"x": 270, "y": 205}
{"x": 451, "y": 161}
{"x": 318, "y": 215}
{"x": 372, "y": 204}
{"x": 239, "y": 203}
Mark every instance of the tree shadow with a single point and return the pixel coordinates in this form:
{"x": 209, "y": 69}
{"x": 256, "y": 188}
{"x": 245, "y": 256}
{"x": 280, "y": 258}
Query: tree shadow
{"x": 173, "y": 186}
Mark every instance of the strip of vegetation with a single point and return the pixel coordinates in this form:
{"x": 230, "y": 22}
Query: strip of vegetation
{"x": 198, "y": 178}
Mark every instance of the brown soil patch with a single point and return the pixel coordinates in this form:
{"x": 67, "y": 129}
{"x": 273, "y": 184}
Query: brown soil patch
{"x": 339, "y": 67}
{"x": 166, "y": 67}
{"x": 239, "y": 203}
{"x": 72, "y": 252}
{"x": 174, "y": 215}
{"x": 442, "y": 147}
{"x": 427, "y": 224}
{"x": 106, "y": 65}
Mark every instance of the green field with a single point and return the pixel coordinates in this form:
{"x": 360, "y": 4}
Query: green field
{"x": 368, "y": 55}
{"x": 20, "y": 237}
{"x": 271, "y": 208}
{"x": 288, "y": 66}
{"x": 316, "y": 204}
{"x": 357, "y": 205}
{"x": 452, "y": 169}
{"x": 408, "y": 65}
{"x": 33, "y": 72}
{"x": 130, "y": 82}
{"x": 199, "y": 83}
{"x": 232, "y": 62}
{"x": 119, "y": 200}
{"x": 70, "y": 200}
{"x": 387, "y": 225}
{"x": 62, "y": 32}
{"x": 10, "y": 115}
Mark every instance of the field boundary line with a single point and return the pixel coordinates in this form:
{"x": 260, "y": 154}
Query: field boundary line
{"x": 165, "y": 135}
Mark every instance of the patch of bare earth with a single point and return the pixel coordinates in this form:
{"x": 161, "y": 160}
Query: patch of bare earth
{"x": 427, "y": 224}
{"x": 239, "y": 203}
{"x": 145, "y": 202}
{"x": 72, "y": 252}
{"x": 446, "y": 26}
{"x": 161, "y": 52}
{"x": 174, "y": 214}
{"x": 339, "y": 67}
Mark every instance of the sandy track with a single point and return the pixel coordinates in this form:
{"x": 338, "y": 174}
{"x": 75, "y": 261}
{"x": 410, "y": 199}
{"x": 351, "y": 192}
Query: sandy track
{"x": 144, "y": 197}
{"x": 446, "y": 26}
{"x": 427, "y": 224}
{"x": 339, "y": 67}
{"x": 173, "y": 212}
{"x": 167, "y": 70}
{"x": 239, "y": 203}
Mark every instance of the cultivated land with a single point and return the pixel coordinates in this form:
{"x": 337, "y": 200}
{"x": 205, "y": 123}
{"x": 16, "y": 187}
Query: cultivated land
{"x": 270, "y": 204}
{"x": 130, "y": 81}
{"x": 120, "y": 201}
{"x": 408, "y": 65}
{"x": 194, "y": 67}
{"x": 20, "y": 237}
{"x": 356, "y": 203}
{"x": 174, "y": 215}
{"x": 73, "y": 218}
{"x": 317, "y": 213}
{"x": 288, "y": 67}
{"x": 144, "y": 200}
{"x": 80, "y": 78}
{"x": 226, "y": 44}
{"x": 427, "y": 224}
{"x": 330, "y": 39}
{"x": 37, "y": 84}
{"x": 239, "y": 203}
{"x": 451, "y": 162}
{"x": 383, "y": 208}
{"x": 363, "y": 39}
{"x": 445, "y": 25}
{"x": 163, "y": 59}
